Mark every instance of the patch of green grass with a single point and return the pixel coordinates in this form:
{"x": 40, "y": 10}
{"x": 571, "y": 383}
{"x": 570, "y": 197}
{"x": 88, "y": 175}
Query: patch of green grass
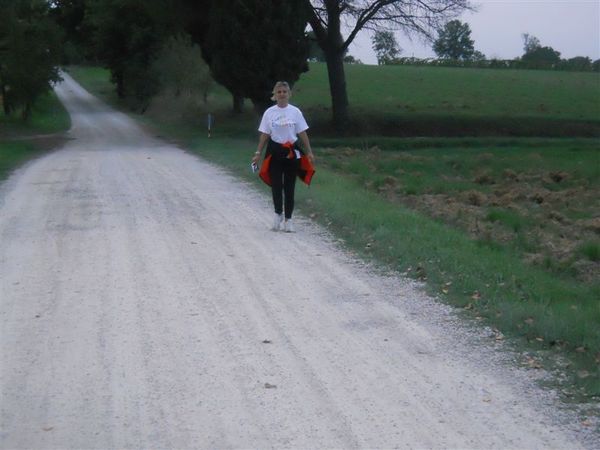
{"x": 591, "y": 250}
{"x": 508, "y": 218}
{"x": 13, "y": 154}
{"x": 22, "y": 141}
{"x": 48, "y": 116}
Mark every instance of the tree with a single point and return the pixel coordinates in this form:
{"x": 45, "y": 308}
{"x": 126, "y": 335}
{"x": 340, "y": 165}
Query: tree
{"x": 349, "y": 59}
{"x": 181, "y": 69}
{"x": 454, "y": 41}
{"x": 385, "y": 46}
{"x": 128, "y": 35}
{"x": 327, "y": 16}
{"x": 69, "y": 15}
{"x": 530, "y": 43}
{"x": 578, "y": 64}
{"x": 536, "y": 56}
{"x": 29, "y": 54}
{"x": 251, "y": 44}
{"x": 478, "y": 56}
{"x": 541, "y": 58}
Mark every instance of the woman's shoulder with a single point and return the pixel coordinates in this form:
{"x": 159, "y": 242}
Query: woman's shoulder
{"x": 294, "y": 108}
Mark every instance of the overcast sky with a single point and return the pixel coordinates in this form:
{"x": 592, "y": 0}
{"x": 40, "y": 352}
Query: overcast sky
{"x": 571, "y": 27}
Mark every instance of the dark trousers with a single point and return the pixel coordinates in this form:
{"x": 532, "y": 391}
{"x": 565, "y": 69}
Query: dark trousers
{"x": 283, "y": 173}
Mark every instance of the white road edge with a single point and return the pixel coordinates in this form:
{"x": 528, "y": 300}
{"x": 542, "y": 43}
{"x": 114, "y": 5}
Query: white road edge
{"x": 144, "y": 303}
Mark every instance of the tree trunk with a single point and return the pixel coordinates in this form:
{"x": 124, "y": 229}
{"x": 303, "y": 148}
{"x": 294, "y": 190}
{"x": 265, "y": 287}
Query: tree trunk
{"x": 261, "y": 105}
{"x": 337, "y": 88}
{"x": 5, "y": 101}
{"x": 119, "y": 80}
{"x": 331, "y": 41}
{"x": 26, "y": 113}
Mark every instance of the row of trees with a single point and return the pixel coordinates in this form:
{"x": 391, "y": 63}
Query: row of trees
{"x": 247, "y": 44}
{"x": 454, "y": 47}
{"x": 577, "y": 64}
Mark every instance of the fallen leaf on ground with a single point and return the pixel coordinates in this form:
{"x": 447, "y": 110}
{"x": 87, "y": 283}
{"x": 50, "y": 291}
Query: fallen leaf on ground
{"x": 270, "y": 386}
{"x": 533, "y": 363}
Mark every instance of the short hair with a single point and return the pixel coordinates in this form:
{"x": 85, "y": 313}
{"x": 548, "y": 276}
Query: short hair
{"x": 280, "y": 84}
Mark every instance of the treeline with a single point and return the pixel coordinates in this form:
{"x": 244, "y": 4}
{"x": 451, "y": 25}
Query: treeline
{"x": 151, "y": 46}
{"x": 246, "y": 45}
{"x": 577, "y": 64}
{"x": 455, "y": 48}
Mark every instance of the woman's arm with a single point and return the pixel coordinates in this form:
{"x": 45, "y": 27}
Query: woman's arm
{"x": 262, "y": 140}
{"x": 306, "y": 145}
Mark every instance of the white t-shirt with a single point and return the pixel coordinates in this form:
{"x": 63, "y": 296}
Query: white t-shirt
{"x": 283, "y": 124}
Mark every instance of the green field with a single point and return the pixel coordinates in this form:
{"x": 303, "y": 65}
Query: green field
{"x": 437, "y": 101}
{"x": 442, "y": 91}
{"x": 504, "y": 227}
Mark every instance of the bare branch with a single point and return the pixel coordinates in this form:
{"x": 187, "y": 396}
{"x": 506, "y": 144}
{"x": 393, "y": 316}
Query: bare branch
{"x": 411, "y": 16}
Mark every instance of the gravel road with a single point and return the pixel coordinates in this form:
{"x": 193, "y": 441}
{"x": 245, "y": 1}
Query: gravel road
{"x": 145, "y": 304}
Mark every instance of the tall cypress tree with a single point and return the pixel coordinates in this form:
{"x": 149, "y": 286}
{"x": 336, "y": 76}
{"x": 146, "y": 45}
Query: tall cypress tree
{"x": 251, "y": 44}
{"x": 127, "y": 36}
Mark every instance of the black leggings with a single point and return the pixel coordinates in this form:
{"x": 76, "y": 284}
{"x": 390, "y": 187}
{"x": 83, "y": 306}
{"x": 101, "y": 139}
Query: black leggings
{"x": 283, "y": 173}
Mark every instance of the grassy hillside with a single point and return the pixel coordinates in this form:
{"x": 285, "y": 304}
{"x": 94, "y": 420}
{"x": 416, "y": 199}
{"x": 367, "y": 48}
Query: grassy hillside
{"x": 451, "y": 91}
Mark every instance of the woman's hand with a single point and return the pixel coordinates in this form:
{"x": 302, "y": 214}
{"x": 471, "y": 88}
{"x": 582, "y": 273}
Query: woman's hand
{"x": 262, "y": 140}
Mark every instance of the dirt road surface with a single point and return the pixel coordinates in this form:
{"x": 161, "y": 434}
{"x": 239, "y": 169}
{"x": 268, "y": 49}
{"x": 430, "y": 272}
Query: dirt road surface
{"x": 146, "y": 304}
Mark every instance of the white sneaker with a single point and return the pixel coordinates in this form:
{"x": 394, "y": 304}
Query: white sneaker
{"x": 288, "y": 226}
{"x": 277, "y": 219}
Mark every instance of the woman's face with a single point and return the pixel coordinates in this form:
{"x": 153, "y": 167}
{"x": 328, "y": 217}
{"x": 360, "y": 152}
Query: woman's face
{"x": 282, "y": 94}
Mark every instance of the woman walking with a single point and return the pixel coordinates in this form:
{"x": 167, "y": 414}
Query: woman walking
{"x": 280, "y": 128}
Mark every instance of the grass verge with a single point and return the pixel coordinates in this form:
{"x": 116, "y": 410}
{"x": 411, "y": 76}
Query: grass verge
{"x": 22, "y": 141}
